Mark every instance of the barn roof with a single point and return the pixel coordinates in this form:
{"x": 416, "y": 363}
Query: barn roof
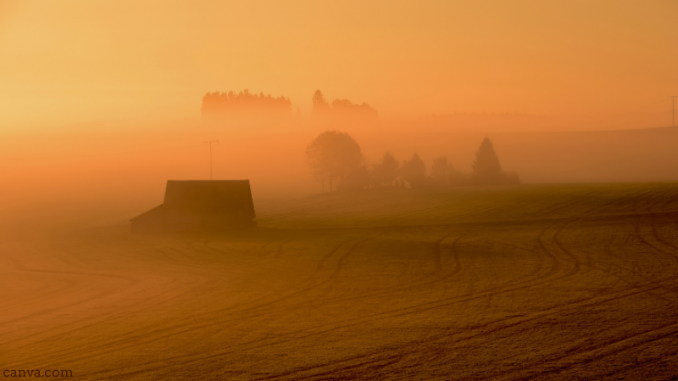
{"x": 209, "y": 196}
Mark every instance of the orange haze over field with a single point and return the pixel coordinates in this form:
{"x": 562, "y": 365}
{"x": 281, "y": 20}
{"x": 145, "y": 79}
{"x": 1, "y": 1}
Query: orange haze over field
{"x": 442, "y": 189}
{"x": 81, "y": 60}
{"x": 101, "y": 100}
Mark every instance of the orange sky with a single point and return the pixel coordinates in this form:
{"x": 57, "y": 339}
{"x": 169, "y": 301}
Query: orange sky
{"x": 80, "y": 60}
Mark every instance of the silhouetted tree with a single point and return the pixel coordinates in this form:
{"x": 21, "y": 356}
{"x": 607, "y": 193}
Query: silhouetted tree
{"x": 344, "y": 107}
{"x": 320, "y": 105}
{"x": 333, "y": 155}
{"x": 486, "y": 167}
{"x": 244, "y": 104}
{"x": 441, "y": 171}
{"x": 386, "y": 170}
{"x": 341, "y": 108}
{"x": 414, "y": 171}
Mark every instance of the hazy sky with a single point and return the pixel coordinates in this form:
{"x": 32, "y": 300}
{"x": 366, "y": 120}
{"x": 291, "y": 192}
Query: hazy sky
{"x": 79, "y": 60}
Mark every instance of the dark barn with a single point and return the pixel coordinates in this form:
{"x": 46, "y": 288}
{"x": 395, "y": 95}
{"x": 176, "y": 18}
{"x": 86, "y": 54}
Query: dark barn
{"x": 199, "y": 205}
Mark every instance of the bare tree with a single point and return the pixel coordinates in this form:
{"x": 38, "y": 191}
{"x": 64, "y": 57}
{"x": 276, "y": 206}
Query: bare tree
{"x": 333, "y": 155}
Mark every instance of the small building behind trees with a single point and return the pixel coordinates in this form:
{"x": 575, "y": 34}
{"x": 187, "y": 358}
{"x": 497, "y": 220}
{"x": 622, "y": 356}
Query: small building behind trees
{"x": 199, "y": 205}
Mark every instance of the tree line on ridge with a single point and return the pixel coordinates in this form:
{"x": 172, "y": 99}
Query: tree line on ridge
{"x": 245, "y": 104}
{"x": 336, "y": 160}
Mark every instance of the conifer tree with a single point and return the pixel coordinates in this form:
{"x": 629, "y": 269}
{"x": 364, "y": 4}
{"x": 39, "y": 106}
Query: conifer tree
{"x": 486, "y": 167}
{"x": 320, "y": 105}
{"x": 414, "y": 171}
{"x": 386, "y": 170}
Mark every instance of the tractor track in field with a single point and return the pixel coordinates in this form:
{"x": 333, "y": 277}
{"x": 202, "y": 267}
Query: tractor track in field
{"x": 267, "y": 342}
{"x": 504, "y": 324}
{"x": 621, "y": 270}
{"x": 411, "y": 310}
{"x": 621, "y": 344}
{"x": 261, "y": 310}
{"x": 656, "y": 249}
{"x": 20, "y": 267}
{"x": 418, "y": 309}
{"x": 160, "y": 333}
{"x": 390, "y": 356}
{"x": 236, "y": 314}
{"x": 558, "y": 252}
{"x": 412, "y": 348}
{"x": 636, "y": 289}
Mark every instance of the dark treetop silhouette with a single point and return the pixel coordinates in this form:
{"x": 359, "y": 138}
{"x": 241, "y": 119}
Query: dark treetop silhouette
{"x": 224, "y": 104}
{"x": 386, "y": 170}
{"x": 414, "y": 171}
{"x": 342, "y": 108}
{"x": 486, "y": 167}
{"x": 333, "y": 155}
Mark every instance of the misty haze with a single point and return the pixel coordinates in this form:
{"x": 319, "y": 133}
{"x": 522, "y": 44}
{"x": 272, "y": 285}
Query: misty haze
{"x": 361, "y": 190}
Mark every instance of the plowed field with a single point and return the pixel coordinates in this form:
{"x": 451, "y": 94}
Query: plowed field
{"x": 534, "y": 282}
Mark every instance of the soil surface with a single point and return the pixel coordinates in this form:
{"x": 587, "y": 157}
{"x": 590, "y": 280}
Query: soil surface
{"x": 557, "y": 282}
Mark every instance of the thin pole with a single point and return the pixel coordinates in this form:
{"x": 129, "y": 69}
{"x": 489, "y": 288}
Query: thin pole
{"x": 210, "y": 143}
{"x": 673, "y": 110}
